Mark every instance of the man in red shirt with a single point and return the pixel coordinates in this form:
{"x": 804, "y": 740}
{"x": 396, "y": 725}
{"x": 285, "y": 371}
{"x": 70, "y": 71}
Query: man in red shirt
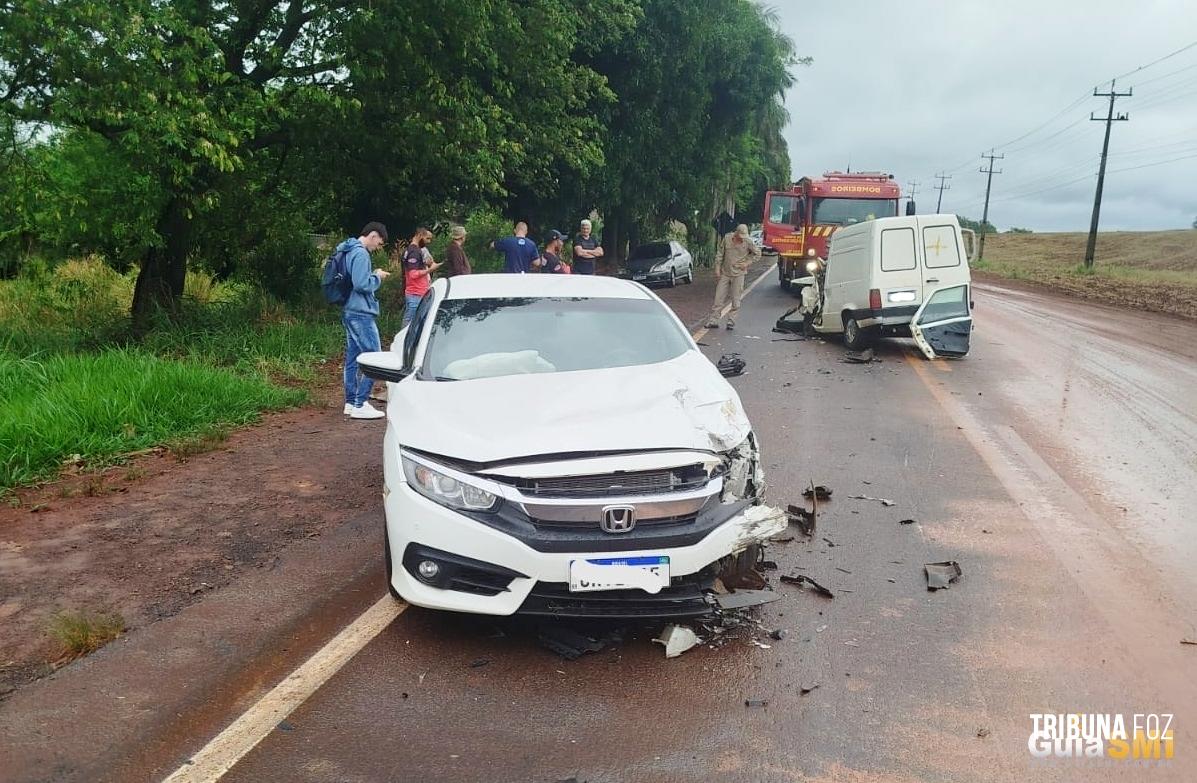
{"x": 417, "y": 273}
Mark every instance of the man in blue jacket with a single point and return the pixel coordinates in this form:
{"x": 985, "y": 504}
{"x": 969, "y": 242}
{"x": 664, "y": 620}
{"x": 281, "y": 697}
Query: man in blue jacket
{"x": 361, "y": 331}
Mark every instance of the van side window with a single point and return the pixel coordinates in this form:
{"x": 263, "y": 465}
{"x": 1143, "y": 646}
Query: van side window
{"x": 897, "y": 249}
{"x": 940, "y": 247}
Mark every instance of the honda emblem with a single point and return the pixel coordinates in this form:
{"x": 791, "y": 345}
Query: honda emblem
{"x": 618, "y": 519}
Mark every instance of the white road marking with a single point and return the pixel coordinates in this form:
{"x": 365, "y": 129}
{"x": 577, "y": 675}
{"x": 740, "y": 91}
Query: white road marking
{"x": 227, "y": 748}
{"x": 702, "y": 331}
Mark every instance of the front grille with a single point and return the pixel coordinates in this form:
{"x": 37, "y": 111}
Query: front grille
{"x": 647, "y": 482}
{"x": 686, "y": 597}
{"x": 551, "y": 524}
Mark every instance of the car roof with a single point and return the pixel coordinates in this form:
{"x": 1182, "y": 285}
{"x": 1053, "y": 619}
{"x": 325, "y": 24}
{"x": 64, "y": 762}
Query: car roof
{"x": 536, "y": 285}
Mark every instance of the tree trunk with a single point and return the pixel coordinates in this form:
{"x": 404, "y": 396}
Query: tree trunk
{"x": 159, "y": 286}
{"x": 612, "y": 240}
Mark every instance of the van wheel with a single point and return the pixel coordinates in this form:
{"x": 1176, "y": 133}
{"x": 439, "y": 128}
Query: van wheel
{"x": 855, "y": 338}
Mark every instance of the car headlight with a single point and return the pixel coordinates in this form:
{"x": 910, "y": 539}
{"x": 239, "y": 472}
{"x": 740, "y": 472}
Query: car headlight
{"x": 812, "y": 266}
{"x": 659, "y": 267}
{"x": 447, "y": 490}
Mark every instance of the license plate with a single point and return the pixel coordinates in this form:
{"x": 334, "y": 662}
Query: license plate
{"x": 649, "y": 573}
{"x": 639, "y": 277}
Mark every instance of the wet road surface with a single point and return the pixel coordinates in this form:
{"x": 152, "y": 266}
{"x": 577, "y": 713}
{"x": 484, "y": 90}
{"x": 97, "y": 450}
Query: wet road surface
{"x": 1056, "y": 464}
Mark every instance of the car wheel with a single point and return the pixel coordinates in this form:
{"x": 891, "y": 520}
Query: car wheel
{"x": 855, "y": 338}
{"x": 672, "y": 277}
{"x": 386, "y": 550}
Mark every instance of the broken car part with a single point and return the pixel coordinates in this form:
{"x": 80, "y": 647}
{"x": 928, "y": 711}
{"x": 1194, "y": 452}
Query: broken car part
{"x": 817, "y": 492}
{"x": 803, "y": 579}
{"x": 882, "y": 501}
{"x": 940, "y": 575}
{"x": 742, "y": 599}
{"x": 730, "y": 365}
{"x": 805, "y": 520}
{"x": 676, "y": 639}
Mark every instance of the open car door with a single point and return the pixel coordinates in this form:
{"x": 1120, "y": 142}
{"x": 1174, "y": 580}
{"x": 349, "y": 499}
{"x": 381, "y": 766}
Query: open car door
{"x": 943, "y": 324}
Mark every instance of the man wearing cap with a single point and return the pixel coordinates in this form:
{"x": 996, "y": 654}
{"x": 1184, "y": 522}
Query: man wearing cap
{"x": 457, "y": 261}
{"x": 518, "y": 251}
{"x": 586, "y": 249}
{"x": 735, "y": 254}
{"x": 550, "y": 261}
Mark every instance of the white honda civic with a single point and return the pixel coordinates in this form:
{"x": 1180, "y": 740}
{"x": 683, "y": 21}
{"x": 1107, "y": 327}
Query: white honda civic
{"x": 557, "y": 445}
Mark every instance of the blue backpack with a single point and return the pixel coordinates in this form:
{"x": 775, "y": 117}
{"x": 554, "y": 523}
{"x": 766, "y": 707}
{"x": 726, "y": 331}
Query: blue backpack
{"x": 336, "y": 281}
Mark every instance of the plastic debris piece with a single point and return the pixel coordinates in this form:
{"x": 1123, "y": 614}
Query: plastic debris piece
{"x": 777, "y": 634}
{"x": 479, "y": 662}
{"x": 907, "y": 522}
{"x": 742, "y": 599}
{"x": 882, "y": 501}
{"x": 818, "y": 492}
{"x": 805, "y": 520}
{"x": 567, "y": 642}
{"x": 762, "y": 645}
{"x": 805, "y": 689}
{"x": 676, "y": 640}
{"x": 802, "y": 579}
{"x": 859, "y": 357}
{"x": 756, "y": 702}
{"x": 730, "y": 364}
{"x": 940, "y": 575}
{"x": 982, "y": 732}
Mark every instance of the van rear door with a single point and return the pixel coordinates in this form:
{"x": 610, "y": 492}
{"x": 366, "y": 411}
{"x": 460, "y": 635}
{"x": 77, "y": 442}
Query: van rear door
{"x": 943, "y": 324}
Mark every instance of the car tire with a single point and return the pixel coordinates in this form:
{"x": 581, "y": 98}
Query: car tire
{"x": 856, "y": 338}
{"x": 690, "y": 274}
{"x": 673, "y": 277}
{"x": 390, "y": 567}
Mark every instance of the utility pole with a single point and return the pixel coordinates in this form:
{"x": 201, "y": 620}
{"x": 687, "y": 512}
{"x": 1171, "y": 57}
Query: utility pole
{"x": 1109, "y": 120}
{"x": 985, "y": 217}
{"x": 911, "y": 188}
{"x": 941, "y": 187}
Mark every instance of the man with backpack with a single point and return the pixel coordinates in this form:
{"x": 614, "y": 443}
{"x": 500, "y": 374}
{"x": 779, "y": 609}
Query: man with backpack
{"x": 349, "y": 281}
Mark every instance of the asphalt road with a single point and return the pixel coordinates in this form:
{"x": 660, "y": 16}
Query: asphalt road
{"x": 1055, "y": 464}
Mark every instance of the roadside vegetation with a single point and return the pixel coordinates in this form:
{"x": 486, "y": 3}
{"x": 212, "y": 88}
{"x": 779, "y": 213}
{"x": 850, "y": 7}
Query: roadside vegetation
{"x": 1154, "y": 271}
{"x": 82, "y": 633}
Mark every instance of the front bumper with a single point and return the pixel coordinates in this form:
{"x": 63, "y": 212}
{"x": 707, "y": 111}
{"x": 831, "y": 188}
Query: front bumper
{"x": 886, "y": 320}
{"x": 663, "y": 276}
{"x": 540, "y": 584}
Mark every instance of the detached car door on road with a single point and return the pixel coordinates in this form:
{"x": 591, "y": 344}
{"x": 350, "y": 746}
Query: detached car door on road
{"x": 558, "y": 445}
{"x": 944, "y": 323}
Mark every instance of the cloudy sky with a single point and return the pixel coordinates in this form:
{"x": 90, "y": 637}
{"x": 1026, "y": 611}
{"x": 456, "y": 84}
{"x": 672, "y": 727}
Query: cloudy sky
{"x": 917, "y": 88}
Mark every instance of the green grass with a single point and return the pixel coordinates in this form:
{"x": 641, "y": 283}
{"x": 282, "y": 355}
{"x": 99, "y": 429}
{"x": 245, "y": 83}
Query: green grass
{"x": 102, "y": 405}
{"x": 82, "y": 633}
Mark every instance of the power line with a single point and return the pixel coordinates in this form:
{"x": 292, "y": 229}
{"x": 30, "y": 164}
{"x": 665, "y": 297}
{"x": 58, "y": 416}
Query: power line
{"x": 1153, "y": 62}
{"x": 1101, "y": 172}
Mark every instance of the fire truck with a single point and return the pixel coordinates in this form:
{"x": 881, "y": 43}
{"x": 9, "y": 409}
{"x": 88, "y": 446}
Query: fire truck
{"x": 798, "y": 223}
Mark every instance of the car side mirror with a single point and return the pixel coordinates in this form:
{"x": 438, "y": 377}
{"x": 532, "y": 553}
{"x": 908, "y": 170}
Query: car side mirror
{"x": 383, "y": 366}
{"x": 910, "y": 207}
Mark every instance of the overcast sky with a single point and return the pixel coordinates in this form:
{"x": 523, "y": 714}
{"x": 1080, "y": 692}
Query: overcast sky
{"x": 917, "y": 88}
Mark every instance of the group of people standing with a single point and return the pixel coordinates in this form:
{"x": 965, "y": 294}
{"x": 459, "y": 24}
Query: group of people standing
{"x": 520, "y": 255}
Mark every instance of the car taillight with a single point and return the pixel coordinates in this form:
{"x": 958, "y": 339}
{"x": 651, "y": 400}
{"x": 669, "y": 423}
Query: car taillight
{"x": 874, "y": 298}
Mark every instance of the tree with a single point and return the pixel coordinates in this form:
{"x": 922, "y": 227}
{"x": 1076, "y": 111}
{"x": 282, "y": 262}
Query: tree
{"x": 183, "y": 92}
{"x": 976, "y": 225}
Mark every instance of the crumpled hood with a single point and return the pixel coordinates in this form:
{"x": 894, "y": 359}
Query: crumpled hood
{"x": 681, "y": 403}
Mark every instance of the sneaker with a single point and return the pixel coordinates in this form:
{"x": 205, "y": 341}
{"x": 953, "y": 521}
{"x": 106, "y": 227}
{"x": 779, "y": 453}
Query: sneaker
{"x": 366, "y": 411}
{"x": 712, "y": 325}
{"x": 730, "y": 325}
{"x": 348, "y": 408}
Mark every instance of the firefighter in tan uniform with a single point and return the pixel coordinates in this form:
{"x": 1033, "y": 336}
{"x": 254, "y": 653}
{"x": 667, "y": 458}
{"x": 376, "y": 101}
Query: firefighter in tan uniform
{"x": 735, "y": 254}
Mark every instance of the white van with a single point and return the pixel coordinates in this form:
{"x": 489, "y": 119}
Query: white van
{"x": 900, "y": 276}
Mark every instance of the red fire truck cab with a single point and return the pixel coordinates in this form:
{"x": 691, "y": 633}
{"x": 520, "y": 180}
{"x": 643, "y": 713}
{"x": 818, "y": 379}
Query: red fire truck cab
{"x": 803, "y": 218}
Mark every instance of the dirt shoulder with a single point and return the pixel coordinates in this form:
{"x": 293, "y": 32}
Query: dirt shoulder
{"x": 1148, "y": 271}
{"x": 152, "y": 537}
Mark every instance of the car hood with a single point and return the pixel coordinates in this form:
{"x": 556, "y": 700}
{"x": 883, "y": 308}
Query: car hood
{"x": 680, "y": 404}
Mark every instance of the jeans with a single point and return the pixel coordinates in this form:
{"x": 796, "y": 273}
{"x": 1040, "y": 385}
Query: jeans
{"x": 361, "y": 335}
{"x": 413, "y": 301}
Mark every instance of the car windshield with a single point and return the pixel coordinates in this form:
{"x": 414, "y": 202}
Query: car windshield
{"x": 783, "y": 210}
{"x": 846, "y": 211}
{"x": 651, "y": 250}
{"x": 486, "y": 338}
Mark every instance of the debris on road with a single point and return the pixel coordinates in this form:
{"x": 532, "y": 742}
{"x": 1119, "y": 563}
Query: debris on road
{"x": 1188, "y": 641}
{"x": 676, "y": 639}
{"x": 761, "y": 644}
{"x": 730, "y": 364}
{"x": 478, "y": 663}
{"x": 906, "y": 521}
{"x": 805, "y": 520}
{"x": 817, "y": 492}
{"x": 756, "y": 702}
{"x": 767, "y": 565}
{"x": 982, "y": 732}
{"x": 883, "y": 501}
{"x": 940, "y": 575}
{"x": 781, "y": 540}
{"x": 859, "y": 357}
{"x": 802, "y": 579}
{"x": 778, "y": 634}
{"x": 805, "y": 689}
{"x": 742, "y": 599}
{"x": 567, "y": 642}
